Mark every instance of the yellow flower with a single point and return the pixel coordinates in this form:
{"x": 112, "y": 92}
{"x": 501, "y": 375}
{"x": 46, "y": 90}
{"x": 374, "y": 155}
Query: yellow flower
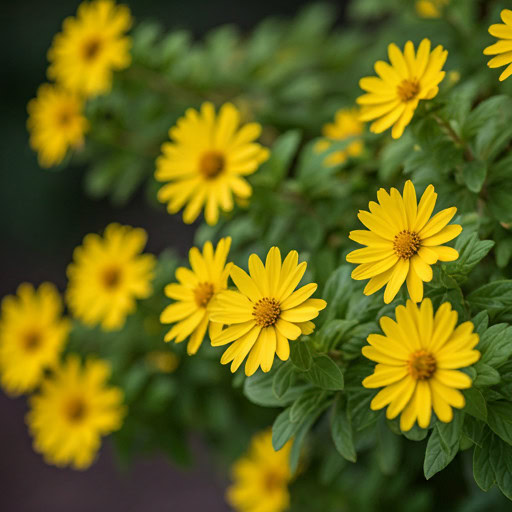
{"x": 32, "y": 336}
{"x": 430, "y": 8}
{"x": 392, "y": 98}
{"x": 107, "y": 275}
{"x": 418, "y": 358}
{"x": 194, "y": 293}
{"x": 265, "y": 312}
{"x": 261, "y": 477}
{"x": 73, "y": 409}
{"x": 207, "y": 161}
{"x": 56, "y": 123}
{"x": 346, "y": 124}
{"x": 90, "y": 47}
{"x": 162, "y": 361}
{"x": 503, "y": 48}
{"x": 402, "y": 241}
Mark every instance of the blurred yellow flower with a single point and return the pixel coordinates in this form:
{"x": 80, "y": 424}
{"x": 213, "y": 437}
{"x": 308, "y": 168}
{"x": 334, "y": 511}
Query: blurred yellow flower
{"x": 74, "y": 408}
{"x": 162, "y": 361}
{"x": 261, "y": 477}
{"x": 206, "y": 163}
{"x": 32, "y": 336}
{"x": 265, "y": 312}
{"x": 402, "y": 241}
{"x": 503, "y": 48}
{"x": 392, "y": 98}
{"x": 90, "y": 47}
{"x": 346, "y": 125}
{"x": 430, "y": 8}
{"x": 418, "y": 358}
{"x": 194, "y": 293}
{"x": 108, "y": 274}
{"x": 56, "y": 123}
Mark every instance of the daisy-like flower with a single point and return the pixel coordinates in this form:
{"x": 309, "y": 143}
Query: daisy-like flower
{"x": 90, "y": 47}
{"x": 261, "y": 477}
{"x": 392, "y": 98}
{"x": 503, "y": 48}
{"x": 196, "y": 289}
{"x": 32, "y": 336}
{"x": 430, "y": 8}
{"x": 56, "y": 123}
{"x": 108, "y": 274}
{"x": 402, "y": 242}
{"x": 206, "y": 163}
{"x": 74, "y": 408}
{"x": 265, "y": 312}
{"x": 346, "y": 124}
{"x": 418, "y": 361}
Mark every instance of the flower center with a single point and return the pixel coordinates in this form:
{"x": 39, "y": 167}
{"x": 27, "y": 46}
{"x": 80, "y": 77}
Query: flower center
{"x": 64, "y": 118}
{"x": 111, "y": 277}
{"x": 75, "y": 409}
{"x": 422, "y": 365}
{"x": 211, "y": 164}
{"x": 408, "y": 89}
{"x": 32, "y": 341}
{"x": 406, "y": 244}
{"x": 266, "y": 312}
{"x": 91, "y": 49}
{"x": 203, "y": 293}
{"x": 272, "y": 481}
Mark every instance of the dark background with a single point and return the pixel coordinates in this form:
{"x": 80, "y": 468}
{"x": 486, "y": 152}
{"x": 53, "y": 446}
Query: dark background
{"x": 43, "y": 216}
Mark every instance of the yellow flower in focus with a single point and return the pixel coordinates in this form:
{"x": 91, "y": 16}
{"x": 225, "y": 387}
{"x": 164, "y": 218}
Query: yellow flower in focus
{"x": 418, "y": 361}
{"x": 32, "y": 336}
{"x": 430, "y": 8}
{"x": 503, "y": 48}
{"x": 108, "y": 274}
{"x": 194, "y": 294}
{"x": 265, "y": 312}
{"x": 261, "y": 477}
{"x": 206, "y": 163}
{"x": 56, "y": 123}
{"x": 346, "y": 124}
{"x": 90, "y": 47}
{"x": 402, "y": 241}
{"x": 74, "y": 408}
{"x": 392, "y": 98}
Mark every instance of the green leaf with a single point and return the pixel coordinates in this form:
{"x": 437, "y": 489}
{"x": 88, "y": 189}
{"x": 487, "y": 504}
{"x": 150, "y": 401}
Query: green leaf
{"x": 471, "y": 252}
{"x": 483, "y": 471}
{"x": 325, "y": 374}
{"x": 388, "y": 448}
{"x": 496, "y": 345}
{"x": 438, "y": 456}
{"x": 486, "y": 375}
{"x": 501, "y": 462}
{"x": 449, "y": 433}
{"x": 337, "y": 292}
{"x": 333, "y": 332}
{"x": 341, "y": 431}
{"x": 500, "y": 420}
{"x": 283, "y": 379}
{"x": 481, "y": 322}
{"x": 474, "y": 174}
{"x": 283, "y": 429}
{"x": 305, "y": 404}
{"x": 492, "y": 297}
{"x": 416, "y": 433}
{"x": 300, "y": 355}
{"x": 475, "y": 404}
{"x": 259, "y": 390}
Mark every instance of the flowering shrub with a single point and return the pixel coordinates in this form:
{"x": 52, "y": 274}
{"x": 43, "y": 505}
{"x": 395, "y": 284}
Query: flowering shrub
{"x": 375, "y": 365}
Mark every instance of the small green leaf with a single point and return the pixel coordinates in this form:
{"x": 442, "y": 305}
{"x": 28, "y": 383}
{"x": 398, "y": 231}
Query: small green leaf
{"x": 283, "y": 379}
{"x": 341, "y": 431}
{"x": 325, "y": 373}
{"x": 305, "y": 404}
{"x": 475, "y": 404}
{"x": 438, "y": 456}
{"x": 486, "y": 375}
{"x": 300, "y": 355}
{"x": 474, "y": 174}
{"x": 483, "y": 472}
{"x": 500, "y": 420}
{"x": 492, "y": 297}
{"x": 496, "y": 345}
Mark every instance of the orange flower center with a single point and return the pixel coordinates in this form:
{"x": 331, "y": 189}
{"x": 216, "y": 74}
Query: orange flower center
{"x": 64, "y": 118}
{"x": 266, "y": 312}
{"x": 408, "y": 89}
{"x": 203, "y": 293}
{"x": 75, "y": 409}
{"x": 32, "y": 341}
{"x": 91, "y": 49}
{"x": 211, "y": 164}
{"x": 406, "y": 244}
{"x": 111, "y": 277}
{"x": 272, "y": 481}
{"x": 422, "y": 365}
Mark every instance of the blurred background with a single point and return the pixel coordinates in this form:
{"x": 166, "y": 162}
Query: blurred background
{"x": 43, "y": 216}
